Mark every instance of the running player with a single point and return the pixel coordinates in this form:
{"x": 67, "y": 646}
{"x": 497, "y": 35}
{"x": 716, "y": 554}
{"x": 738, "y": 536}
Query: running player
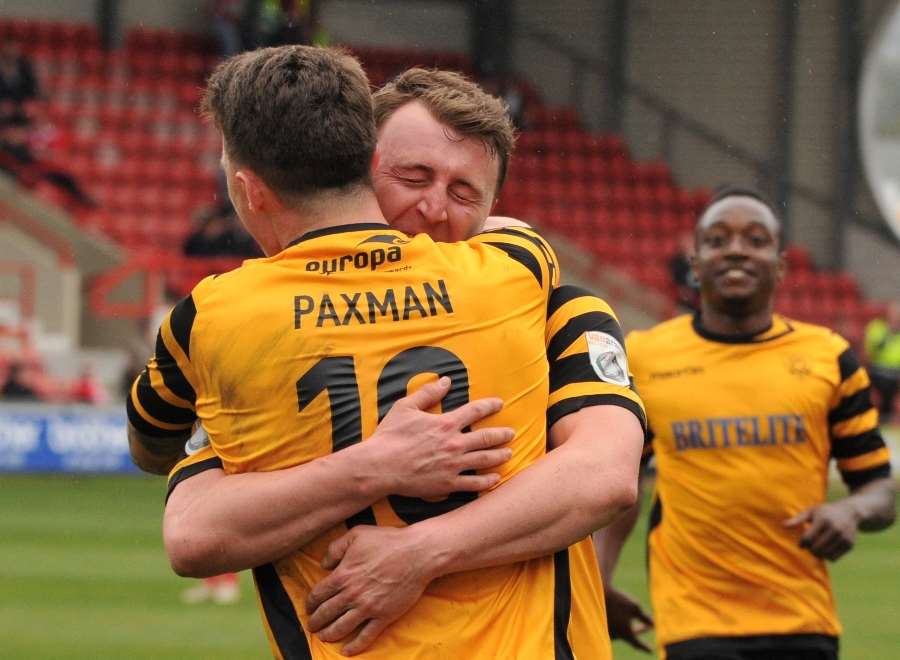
{"x": 746, "y": 409}
{"x": 200, "y": 331}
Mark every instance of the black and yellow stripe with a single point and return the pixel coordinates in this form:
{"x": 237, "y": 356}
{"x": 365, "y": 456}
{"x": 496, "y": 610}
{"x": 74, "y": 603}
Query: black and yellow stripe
{"x": 191, "y": 466}
{"x": 572, "y": 312}
{"x": 519, "y": 244}
{"x": 536, "y": 239}
{"x": 562, "y": 606}
{"x": 281, "y": 617}
{"x": 856, "y": 442}
{"x": 161, "y": 403}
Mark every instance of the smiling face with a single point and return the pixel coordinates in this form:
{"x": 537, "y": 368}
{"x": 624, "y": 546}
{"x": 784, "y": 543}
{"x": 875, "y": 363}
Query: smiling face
{"x": 738, "y": 260}
{"x": 430, "y": 179}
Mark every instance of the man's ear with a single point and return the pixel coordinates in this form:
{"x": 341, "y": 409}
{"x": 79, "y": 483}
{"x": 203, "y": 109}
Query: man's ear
{"x": 376, "y": 158}
{"x": 254, "y": 189}
{"x": 781, "y": 269}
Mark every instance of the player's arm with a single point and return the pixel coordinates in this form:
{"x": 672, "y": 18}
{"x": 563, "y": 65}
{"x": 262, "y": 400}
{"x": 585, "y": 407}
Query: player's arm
{"x": 216, "y": 523}
{"x": 583, "y": 484}
{"x": 155, "y": 455}
{"x": 160, "y": 405}
{"x": 380, "y": 572}
{"x": 588, "y": 479}
{"x": 829, "y": 529}
{"x": 625, "y": 617}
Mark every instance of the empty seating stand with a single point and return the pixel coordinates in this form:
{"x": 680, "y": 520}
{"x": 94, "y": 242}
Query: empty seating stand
{"x": 140, "y": 149}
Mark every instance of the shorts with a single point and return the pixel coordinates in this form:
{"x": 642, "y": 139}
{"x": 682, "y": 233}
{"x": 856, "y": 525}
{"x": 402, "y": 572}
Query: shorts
{"x": 757, "y": 647}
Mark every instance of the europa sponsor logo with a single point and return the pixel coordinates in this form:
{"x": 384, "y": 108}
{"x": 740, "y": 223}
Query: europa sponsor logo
{"x": 363, "y": 260}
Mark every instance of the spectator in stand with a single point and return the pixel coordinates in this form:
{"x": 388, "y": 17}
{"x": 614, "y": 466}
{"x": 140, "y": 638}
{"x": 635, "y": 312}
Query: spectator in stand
{"x": 18, "y": 159}
{"x": 87, "y": 388}
{"x": 222, "y": 589}
{"x": 48, "y": 141}
{"x": 17, "y": 80}
{"x": 288, "y": 22}
{"x": 17, "y": 386}
{"x": 882, "y": 344}
{"x": 212, "y": 238}
{"x": 219, "y": 235}
{"x": 509, "y": 91}
{"x": 225, "y": 17}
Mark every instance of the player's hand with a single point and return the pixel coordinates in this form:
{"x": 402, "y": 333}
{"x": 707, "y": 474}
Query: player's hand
{"x": 831, "y": 529}
{"x": 423, "y": 454}
{"x": 625, "y": 618}
{"x": 378, "y": 575}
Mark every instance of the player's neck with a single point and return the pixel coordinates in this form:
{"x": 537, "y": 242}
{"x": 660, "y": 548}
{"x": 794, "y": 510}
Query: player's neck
{"x": 328, "y": 211}
{"x": 720, "y": 322}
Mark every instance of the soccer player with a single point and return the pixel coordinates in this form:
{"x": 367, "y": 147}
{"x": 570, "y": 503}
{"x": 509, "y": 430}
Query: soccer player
{"x": 746, "y": 408}
{"x": 442, "y": 157}
{"x": 240, "y": 395}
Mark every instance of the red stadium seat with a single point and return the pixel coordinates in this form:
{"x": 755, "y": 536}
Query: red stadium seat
{"x": 528, "y": 141}
{"x": 598, "y": 168}
{"x": 797, "y": 258}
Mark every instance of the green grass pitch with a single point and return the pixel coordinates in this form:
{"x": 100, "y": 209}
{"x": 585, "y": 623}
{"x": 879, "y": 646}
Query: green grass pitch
{"x": 83, "y": 575}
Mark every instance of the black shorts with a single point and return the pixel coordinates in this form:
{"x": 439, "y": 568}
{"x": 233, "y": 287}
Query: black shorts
{"x": 757, "y": 647}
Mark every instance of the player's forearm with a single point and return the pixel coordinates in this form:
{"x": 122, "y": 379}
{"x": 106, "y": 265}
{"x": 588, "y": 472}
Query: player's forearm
{"x": 572, "y": 491}
{"x": 216, "y": 523}
{"x": 609, "y": 541}
{"x": 153, "y": 455}
{"x": 874, "y": 504}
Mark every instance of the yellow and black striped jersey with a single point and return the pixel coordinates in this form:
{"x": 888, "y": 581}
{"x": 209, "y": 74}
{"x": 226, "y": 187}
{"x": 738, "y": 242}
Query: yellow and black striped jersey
{"x": 743, "y": 429}
{"x": 578, "y": 605}
{"x": 361, "y": 314}
{"x": 585, "y": 349}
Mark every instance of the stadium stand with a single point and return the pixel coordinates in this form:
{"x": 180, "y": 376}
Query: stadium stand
{"x": 141, "y": 151}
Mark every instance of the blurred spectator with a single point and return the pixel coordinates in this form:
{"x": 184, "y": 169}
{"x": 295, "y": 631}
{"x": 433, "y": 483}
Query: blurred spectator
{"x": 48, "y": 141}
{"x": 88, "y": 389}
{"x": 212, "y": 238}
{"x": 221, "y": 589}
{"x": 17, "y": 386}
{"x": 219, "y": 234}
{"x": 508, "y": 90}
{"x": 882, "y": 344}
{"x": 17, "y": 81}
{"x": 225, "y": 17}
{"x": 686, "y": 287}
{"x": 288, "y": 22}
{"x": 17, "y": 158}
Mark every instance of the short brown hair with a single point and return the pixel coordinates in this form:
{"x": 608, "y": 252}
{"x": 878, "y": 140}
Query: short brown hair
{"x": 456, "y": 101}
{"x": 299, "y": 116}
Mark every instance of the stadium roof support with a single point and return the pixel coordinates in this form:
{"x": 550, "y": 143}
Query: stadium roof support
{"x": 780, "y": 171}
{"x": 849, "y": 62}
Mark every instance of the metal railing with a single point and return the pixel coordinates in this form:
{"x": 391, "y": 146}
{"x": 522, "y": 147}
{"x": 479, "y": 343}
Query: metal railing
{"x": 673, "y": 120}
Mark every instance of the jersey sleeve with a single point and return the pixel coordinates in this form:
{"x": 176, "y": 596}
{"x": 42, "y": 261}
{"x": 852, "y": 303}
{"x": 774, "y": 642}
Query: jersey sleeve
{"x": 856, "y": 442}
{"x": 586, "y": 352}
{"x": 162, "y": 399}
{"x": 200, "y": 461}
{"x": 526, "y": 247}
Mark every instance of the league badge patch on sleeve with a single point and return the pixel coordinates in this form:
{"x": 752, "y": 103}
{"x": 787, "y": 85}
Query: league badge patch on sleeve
{"x": 198, "y": 441}
{"x": 607, "y": 357}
